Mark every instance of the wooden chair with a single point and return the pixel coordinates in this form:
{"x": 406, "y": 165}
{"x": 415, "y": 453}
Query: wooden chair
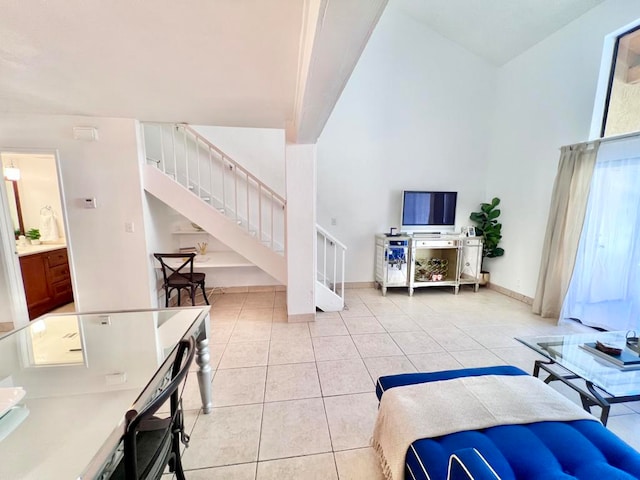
{"x": 177, "y": 278}
{"x": 151, "y": 442}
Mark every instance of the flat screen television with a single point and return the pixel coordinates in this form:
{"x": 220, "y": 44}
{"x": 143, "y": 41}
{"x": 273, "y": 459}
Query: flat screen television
{"x": 428, "y": 211}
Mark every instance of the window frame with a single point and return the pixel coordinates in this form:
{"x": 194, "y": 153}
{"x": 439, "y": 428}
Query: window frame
{"x": 612, "y": 66}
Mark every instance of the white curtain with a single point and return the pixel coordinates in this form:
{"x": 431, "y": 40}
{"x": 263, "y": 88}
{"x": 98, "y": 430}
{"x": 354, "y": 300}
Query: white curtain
{"x": 566, "y": 215}
{"x": 604, "y": 290}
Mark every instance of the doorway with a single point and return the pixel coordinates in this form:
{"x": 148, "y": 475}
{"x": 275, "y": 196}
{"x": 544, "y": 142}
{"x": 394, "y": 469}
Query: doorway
{"x": 36, "y": 228}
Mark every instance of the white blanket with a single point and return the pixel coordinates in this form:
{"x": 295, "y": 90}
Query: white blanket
{"x": 432, "y": 409}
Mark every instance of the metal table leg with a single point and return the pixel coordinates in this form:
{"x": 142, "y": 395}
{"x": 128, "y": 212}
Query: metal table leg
{"x": 204, "y": 372}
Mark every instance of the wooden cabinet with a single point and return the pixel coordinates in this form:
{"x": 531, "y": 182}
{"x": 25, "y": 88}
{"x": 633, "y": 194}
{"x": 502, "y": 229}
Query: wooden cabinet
{"x": 47, "y": 281}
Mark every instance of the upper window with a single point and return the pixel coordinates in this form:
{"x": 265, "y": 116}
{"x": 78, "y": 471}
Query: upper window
{"x": 622, "y": 109}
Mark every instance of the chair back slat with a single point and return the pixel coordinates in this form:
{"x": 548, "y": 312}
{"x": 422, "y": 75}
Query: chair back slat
{"x": 170, "y": 428}
{"x": 168, "y": 270}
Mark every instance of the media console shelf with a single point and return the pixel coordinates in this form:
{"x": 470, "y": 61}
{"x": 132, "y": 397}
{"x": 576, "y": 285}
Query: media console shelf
{"x": 434, "y": 260}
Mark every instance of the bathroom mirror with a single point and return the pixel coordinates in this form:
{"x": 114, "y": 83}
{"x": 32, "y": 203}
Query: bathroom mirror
{"x": 13, "y": 198}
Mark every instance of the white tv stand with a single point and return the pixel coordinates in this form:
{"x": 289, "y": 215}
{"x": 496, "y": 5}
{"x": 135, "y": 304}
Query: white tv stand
{"x": 428, "y": 260}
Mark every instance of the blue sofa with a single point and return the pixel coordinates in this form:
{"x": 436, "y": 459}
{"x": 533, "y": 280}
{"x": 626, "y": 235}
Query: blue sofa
{"x": 580, "y": 449}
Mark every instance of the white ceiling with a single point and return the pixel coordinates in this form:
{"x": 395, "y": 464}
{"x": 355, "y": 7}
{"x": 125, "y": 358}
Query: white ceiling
{"x": 231, "y": 62}
{"x": 497, "y": 30}
{"x": 220, "y": 62}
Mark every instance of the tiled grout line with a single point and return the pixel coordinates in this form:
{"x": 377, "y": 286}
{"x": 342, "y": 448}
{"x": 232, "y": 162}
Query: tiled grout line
{"x": 324, "y": 407}
{"x": 440, "y": 310}
{"x": 264, "y": 396}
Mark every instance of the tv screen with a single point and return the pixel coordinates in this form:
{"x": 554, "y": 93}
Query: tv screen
{"x": 428, "y": 208}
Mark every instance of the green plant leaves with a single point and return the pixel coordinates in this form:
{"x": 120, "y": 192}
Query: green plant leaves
{"x": 488, "y": 226}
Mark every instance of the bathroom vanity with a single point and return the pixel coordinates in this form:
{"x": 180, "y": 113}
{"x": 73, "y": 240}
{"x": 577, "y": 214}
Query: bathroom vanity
{"x": 46, "y": 278}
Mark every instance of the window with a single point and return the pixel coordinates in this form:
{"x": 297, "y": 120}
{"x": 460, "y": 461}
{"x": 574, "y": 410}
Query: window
{"x": 622, "y": 108}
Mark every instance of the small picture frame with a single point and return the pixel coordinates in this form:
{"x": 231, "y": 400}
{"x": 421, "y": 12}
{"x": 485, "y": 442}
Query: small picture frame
{"x": 469, "y": 231}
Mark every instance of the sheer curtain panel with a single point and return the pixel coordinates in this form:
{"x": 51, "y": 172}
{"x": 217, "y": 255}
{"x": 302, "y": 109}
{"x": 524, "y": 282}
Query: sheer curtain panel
{"x": 566, "y": 215}
{"x": 605, "y": 287}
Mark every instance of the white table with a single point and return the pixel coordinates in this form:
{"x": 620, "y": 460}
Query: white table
{"x": 81, "y": 373}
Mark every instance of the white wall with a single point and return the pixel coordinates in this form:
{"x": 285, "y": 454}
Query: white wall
{"x": 412, "y": 116}
{"x": 301, "y": 238}
{"x": 259, "y": 150}
{"x": 544, "y": 100}
{"x": 109, "y": 266}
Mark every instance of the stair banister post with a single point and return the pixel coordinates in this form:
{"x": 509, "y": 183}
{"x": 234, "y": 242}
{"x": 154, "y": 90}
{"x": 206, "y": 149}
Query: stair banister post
{"x": 344, "y": 253}
{"x": 235, "y": 191}
{"x": 175, "y": 158}
{"x": 162, "y": 159}
{"x": 324, "y": 260}
{"x": 260, "y": 211}
{"x": 224, "y": 181}
{"x": 335, "y": 266}
{"x": 272, "y": 227}
{"x": 186, "y": 155}
{"x": 248, "y": 217}
{"x": 198, "y": 166}
{"x": 211, "y": 189}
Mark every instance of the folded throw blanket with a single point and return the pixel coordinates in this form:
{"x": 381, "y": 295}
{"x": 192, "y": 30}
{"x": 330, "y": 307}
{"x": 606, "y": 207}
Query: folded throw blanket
{"x": 433, "y": 409}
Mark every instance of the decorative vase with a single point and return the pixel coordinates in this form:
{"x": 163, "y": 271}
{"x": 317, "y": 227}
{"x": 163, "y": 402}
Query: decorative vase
{"x": 202, "y": 248}
{"x": 484, "y": 278}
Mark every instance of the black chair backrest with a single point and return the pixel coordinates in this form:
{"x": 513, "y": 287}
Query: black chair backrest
{"x": 168, "y": 270}
{"x": 145, "y": 421}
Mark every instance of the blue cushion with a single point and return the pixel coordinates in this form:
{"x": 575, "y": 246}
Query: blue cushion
{"x": 469, "y": 464}
{"x": 582, "y": 449}
{"x": 385, "y": 383}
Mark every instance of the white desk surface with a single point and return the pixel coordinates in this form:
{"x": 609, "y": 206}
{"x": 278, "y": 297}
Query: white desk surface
{"x": 214, "y": 259}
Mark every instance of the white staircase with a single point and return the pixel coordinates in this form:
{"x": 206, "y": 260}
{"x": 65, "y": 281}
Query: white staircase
{"x": 329, "y": 272}
{"x": 202, "y": 183}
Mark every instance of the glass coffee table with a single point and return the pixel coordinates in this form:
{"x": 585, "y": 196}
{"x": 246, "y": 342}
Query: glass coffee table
{"x": 571, "y": 357}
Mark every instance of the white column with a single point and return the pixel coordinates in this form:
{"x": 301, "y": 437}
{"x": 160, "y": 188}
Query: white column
{"x": 301, "y": 231}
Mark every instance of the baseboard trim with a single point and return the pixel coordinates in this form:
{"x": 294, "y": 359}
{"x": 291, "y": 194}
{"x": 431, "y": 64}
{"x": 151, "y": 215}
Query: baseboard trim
{"x": 250, "y": 289}
{"x": 359, "y": 285}
{"x": 301, "y": 317}
{"x": 511, "y": 293}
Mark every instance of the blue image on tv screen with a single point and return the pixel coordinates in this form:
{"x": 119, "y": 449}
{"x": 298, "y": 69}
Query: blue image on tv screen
{"x": 429, "y": 208}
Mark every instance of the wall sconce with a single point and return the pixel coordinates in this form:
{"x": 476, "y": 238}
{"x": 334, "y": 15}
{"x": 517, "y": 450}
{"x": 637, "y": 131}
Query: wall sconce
{"x": 12, "y": 172}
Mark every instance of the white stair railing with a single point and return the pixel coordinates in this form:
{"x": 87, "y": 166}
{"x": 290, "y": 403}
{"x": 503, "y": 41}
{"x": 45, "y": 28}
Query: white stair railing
{"x": 193, "y": 161}
{"x": 331, "y": 255}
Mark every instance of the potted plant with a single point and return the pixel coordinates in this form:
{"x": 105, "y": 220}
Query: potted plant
{"x": 33, "y": 235}
{"x": 487, "y": 225}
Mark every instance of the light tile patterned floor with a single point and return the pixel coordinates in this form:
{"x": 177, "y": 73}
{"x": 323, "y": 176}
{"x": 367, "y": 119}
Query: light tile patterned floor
{"x": 297, "y": 400}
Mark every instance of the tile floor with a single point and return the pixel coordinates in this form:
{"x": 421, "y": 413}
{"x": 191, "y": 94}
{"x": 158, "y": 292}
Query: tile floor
{"x": 297, "y": 400}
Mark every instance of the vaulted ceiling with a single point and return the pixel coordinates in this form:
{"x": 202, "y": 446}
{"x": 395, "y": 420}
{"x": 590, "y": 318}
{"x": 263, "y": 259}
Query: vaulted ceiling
{"x": 496, "y": 30}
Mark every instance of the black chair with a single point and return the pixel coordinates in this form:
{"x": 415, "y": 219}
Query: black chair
{"x": 150, "y": 442}
{"x": 178, "y": 278}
